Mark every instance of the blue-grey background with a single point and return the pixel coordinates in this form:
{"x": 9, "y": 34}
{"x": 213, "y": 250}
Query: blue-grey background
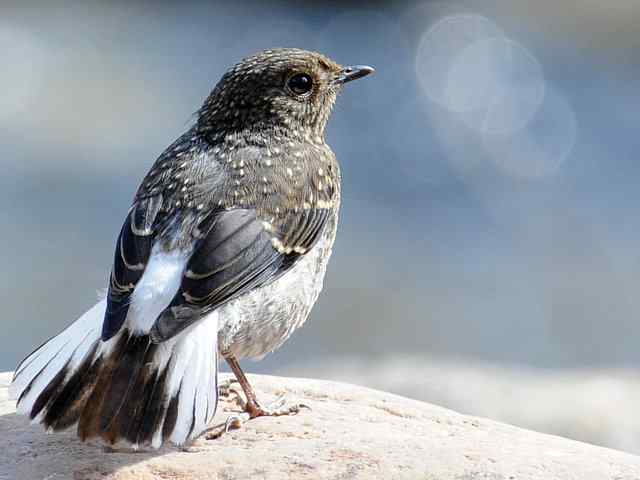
{"x": 490, "y": 166}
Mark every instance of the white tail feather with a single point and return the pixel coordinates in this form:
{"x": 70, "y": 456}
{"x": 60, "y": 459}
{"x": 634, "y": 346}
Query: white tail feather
{"x": 66, "y": 349}
{"x": 193, "y": 376}
{"x": 189, "y": 359}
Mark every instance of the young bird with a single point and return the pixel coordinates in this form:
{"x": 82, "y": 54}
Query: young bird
{"x": 224, "y": 250}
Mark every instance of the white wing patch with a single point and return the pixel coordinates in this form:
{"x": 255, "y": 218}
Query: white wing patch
{"x": 156, "y": 288}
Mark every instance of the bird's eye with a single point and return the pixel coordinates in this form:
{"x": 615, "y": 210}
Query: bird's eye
{"x": 300, "y": 83}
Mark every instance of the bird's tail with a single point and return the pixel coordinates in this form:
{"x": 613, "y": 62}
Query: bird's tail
{"x": 126, "y": 390}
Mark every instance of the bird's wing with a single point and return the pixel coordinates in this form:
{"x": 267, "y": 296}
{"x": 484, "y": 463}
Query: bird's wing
{"x": 132, "y": 253}
{"x": 238, "y": 253}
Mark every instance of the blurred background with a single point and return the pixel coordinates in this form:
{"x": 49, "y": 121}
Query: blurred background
{"x": 488, "y": 256}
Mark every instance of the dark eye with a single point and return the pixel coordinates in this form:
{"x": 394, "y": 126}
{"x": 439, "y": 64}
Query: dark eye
{"x": 300, "y": 83}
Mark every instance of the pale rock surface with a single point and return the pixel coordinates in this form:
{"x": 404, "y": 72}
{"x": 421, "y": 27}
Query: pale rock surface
{"x": 593, "y": 405}
{"x": 351, "y": 433}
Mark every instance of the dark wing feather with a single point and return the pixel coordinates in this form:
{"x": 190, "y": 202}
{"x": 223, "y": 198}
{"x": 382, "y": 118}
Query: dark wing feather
{"x": 237, "y": 255}
{"x": 132, "y": 254}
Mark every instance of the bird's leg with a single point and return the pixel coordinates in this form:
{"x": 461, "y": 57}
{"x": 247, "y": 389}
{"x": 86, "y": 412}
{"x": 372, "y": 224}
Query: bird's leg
{"x": 252, "y": 407}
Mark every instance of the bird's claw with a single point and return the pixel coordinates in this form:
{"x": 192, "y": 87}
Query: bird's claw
{"x": 231, "y": 423}
{"x": 277, "y": 408}
{"x": 235, "y": 421}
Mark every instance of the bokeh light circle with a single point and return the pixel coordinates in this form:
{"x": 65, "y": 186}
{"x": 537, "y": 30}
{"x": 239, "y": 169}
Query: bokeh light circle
{"x": 496, "y": 85}
{"x": 540, "y": 149}
{"x": 441, "y": 44}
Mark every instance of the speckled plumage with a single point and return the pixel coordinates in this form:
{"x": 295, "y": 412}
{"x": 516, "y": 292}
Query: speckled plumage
{"x": 223, "y": 251}
{"x": 198, "y": 179}
{"x": 254, "y": 148}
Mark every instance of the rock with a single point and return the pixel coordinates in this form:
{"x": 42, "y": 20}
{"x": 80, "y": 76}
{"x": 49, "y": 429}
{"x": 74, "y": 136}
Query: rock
{"x": 593, "y": 405}
{"x": 351, "y": 432}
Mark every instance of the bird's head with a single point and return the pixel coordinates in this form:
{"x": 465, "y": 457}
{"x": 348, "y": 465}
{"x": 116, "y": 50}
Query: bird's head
{"x": 285, "y": 90}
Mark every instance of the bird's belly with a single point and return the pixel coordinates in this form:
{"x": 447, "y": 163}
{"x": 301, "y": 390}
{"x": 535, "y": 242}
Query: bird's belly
{"x": 262, "y": 320}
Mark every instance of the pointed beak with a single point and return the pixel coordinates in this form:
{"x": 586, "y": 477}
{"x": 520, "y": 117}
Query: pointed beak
{"x": 353, "y": 73}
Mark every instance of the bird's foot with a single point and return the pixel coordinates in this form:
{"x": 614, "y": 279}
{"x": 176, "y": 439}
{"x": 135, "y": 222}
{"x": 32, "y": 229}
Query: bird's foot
{"x": 252, "y": 410}
{"x": 277, "y": 408}
{"x": 225, "y": 388}
{"x": 229, "y": 393}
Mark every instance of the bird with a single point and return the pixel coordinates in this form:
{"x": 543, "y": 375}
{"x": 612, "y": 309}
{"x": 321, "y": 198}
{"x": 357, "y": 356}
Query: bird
{"x": 222, "y": 255}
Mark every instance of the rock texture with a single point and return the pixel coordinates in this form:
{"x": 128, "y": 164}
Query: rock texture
{"x": 593, "y": 405}
{"x": 351, "y": 433}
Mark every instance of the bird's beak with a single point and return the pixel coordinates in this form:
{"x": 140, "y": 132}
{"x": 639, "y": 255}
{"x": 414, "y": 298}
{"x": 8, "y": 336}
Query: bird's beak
{"x": 352, "y": 73}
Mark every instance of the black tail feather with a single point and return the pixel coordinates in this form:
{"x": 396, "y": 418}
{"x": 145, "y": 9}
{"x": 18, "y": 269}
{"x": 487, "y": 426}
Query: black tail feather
{"x": 130, "y": 390}
{"x": 153, "y": 411}
{"x": 64, "y": 411}
{"x": 60, "y": 399}
{"x": 123, "y": 392}
{"x": 125, "y": 387}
